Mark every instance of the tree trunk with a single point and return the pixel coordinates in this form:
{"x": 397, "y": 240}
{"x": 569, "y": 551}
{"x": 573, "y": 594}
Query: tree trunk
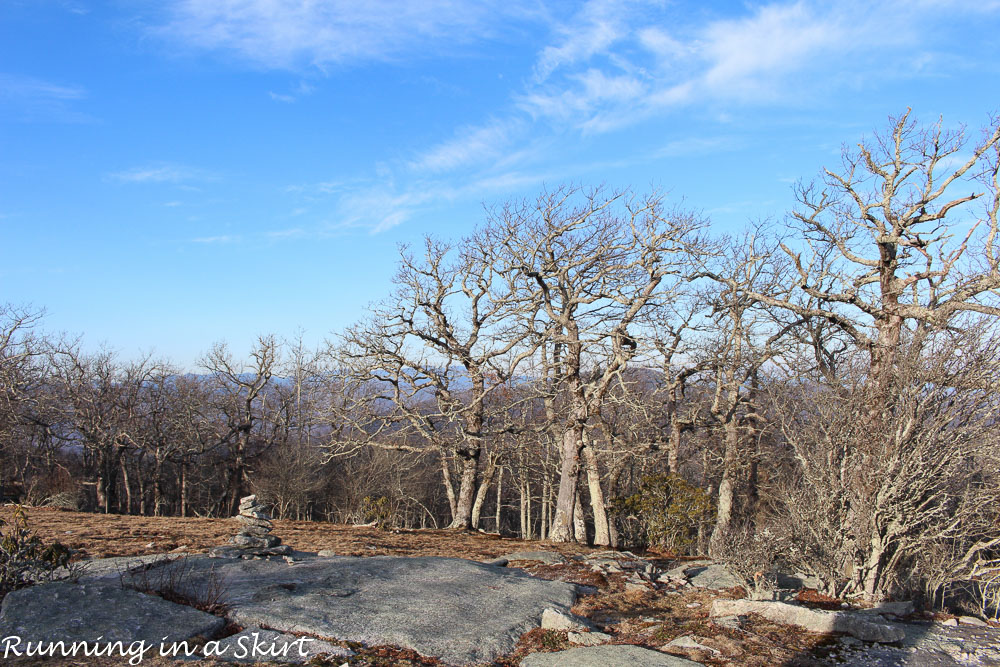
{"x": 562, "y": 524}
{"x": 579, "y": 520}
{"x": 182, "y": 484}
{"x": 602, "y": 529}
{"x": 484, "y": 486}
{"x": 158, "y": 499}
{"x": 724, "y": 515}
{"x": 498, "y": 516}
{"x": 449, "y": 488}
{"x": 524, "y": 509}
{"x": 463, "y": 519}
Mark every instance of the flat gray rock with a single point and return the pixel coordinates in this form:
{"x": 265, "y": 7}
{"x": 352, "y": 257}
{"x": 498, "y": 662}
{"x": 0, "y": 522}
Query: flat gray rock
{"x": 111, "y": 569}
{"x": 713, "y": 577}
{"x": 678, "y": 571}
{"x": 622, "y": 655}
{"x": 89, "y": 611}
{"x": 812, "y": 620}
{"x": 546, "y": 557}
{"x": 457, "y": 610}
{"x": 257, "y": 645}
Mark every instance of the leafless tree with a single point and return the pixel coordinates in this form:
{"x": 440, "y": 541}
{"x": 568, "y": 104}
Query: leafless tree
{"x": 591, "y": 263}
{"x": 249, "y": 414}
{"x": 871, "y": 506}
{"x": 437, "y": 350}
{"x": 894, "y": 243}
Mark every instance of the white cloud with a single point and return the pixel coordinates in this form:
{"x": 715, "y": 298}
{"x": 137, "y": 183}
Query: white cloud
{"x": 160, "y": 173}
{"x": 223, "y": 239}
{"x": 290, "y": 33}
{"x": 27, "y": 98}
{"x": 470, "y": 145}
{"x": 593, "y": 30}
{"x": 612, "y": 68}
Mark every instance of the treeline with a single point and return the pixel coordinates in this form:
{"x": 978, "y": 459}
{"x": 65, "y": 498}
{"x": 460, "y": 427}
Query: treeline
{"x": 821, "y": 393}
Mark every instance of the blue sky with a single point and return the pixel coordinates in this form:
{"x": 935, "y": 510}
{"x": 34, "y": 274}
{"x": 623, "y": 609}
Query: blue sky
{"x": 177, "y": 173}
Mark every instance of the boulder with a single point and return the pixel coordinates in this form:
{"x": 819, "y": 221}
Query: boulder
{"x": 973, "y": 621}
{"x": 620, "y": 655}
{"x": 811, "y": 620}
{"x": 100, "y": 610}
{"x": 251, "y": 521}
{"x": 713, "y": 577}
{"x": 457, "y": 610}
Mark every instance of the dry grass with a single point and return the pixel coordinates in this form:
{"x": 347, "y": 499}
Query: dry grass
{"x": 104, "y": 535}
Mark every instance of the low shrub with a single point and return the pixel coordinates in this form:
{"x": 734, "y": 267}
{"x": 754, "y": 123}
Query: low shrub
{"x": 665, "y": 512}
{"x": 24, "y": 558}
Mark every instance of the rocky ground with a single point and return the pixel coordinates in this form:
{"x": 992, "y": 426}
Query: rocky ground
{"x": 431, "y": 608}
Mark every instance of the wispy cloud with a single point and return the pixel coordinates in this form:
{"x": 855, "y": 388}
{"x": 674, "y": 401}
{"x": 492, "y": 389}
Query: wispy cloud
{"x": 290, "y": 33}
{"x": 222, "y": 239}
{"x": 608, "y": 72}
{"x": 29, "y": 99}
{"x": 161, "y": 173}
{"x": 470, "y": 145}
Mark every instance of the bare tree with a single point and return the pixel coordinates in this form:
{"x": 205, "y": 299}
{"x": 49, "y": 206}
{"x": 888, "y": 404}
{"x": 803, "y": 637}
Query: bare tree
{"x": 870, "y": 507}
{"x": 591, "y": 263}
{"x": 883, "y": 252}
{"x": 438, "y": 348}
{"x": 246, "y": 409}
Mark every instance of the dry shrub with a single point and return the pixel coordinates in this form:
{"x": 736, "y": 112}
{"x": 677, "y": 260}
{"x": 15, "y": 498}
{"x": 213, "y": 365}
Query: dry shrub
{"x": 751, "y": 555}
{"x": 172, "y": 582}
{"x": 24, "y": 558}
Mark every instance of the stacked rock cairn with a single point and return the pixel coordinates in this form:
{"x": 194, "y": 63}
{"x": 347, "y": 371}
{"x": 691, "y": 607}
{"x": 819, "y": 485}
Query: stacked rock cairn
{"x": 255, "y": 525}
{"x": 254, "y": 538}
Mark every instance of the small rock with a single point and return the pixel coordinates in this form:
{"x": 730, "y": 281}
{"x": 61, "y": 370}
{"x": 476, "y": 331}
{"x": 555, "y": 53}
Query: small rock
{"x": 546, "y": 557}
{"x": 902, "y": 608}
{"x": 589, "y": 638}
{"x": 972, "y": 620}
{"x": 689, "y": 642}
{"x": 326, "y": 553}
{"x": 728, "y": 622}
{"x": 553, "y": 619}
{"x": 497, "y": 562}
{"x": 633, "y": 587}
{"x": 612, "y": 655}
{"x": 951, "y": 622}
{"x": 694, "y": 605}
{"x": 259, "y": 542}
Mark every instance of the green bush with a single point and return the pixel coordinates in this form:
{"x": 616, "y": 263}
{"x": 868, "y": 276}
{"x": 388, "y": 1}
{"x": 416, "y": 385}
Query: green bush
{"x": 24, "y": 558}
{"x": 380, "y": 511}
{"x": 667, "y": 511}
